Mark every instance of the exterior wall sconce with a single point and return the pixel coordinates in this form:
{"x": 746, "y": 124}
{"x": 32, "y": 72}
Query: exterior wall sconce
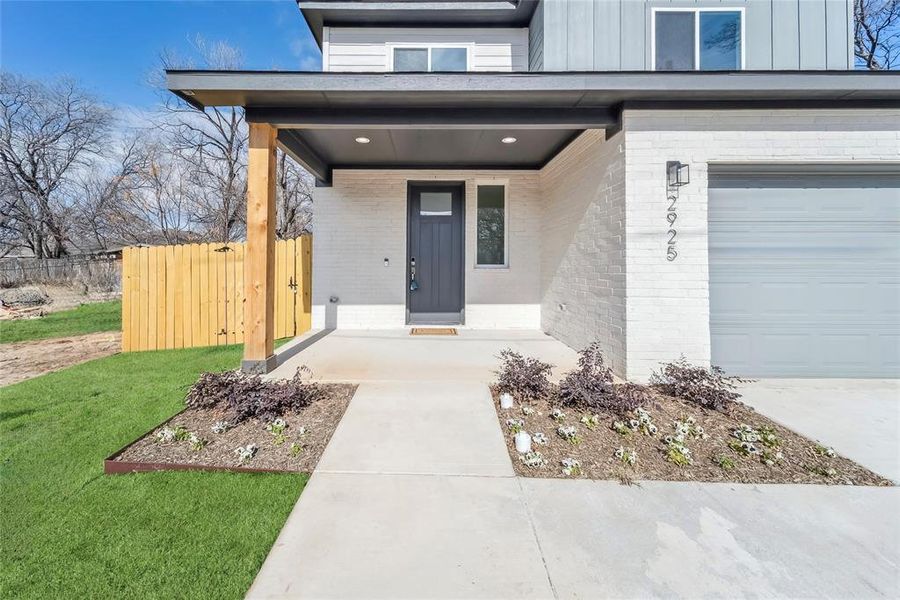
{"x": 677, "y": 173}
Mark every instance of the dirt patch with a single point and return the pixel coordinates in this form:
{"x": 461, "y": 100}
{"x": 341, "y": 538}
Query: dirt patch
{"x": 58, "y": 298}
{"x": 796, "y": 459}
{"x": 23, "y": 360}
{"x": 304, "y": 439}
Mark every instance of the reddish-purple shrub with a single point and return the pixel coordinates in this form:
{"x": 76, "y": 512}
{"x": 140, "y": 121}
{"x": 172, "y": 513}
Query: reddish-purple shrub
{"x": 590, "y": 386}
{"x": 249, "y": 396}
{"x": 524, "y": 377}
{"x": 709, "y": 388}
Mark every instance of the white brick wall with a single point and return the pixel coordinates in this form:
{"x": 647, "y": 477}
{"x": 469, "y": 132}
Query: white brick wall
{"x": 361, "y": 220}
{"x": 583, "y": 261}
{"x": 587, "y": 232}
{"x": 668, "y": 302}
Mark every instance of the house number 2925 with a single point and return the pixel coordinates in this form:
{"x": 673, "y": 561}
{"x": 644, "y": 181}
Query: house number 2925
{"x": 671, "y": 217}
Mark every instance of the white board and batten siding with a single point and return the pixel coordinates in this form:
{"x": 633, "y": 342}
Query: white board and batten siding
{"x": 366, "y": 49}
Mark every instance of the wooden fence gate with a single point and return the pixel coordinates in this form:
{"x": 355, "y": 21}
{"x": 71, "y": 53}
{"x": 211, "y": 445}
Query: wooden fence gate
{"x": 193, "y": 295}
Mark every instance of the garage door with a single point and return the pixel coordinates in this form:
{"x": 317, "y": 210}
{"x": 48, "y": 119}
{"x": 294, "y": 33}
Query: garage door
{"x": 805, "y": 271}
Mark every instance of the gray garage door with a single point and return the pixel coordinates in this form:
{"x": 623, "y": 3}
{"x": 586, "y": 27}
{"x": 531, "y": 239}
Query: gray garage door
{"x": 805, "y": 271}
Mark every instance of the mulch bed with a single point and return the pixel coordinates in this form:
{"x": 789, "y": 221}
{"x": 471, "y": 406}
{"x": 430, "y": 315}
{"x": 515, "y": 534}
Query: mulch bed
{"x": 800, "y": 462}
{"x": 320, "y": 419}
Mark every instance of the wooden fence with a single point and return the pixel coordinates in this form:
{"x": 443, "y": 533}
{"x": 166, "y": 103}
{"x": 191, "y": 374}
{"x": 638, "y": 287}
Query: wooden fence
{"x": 193, "y": 295}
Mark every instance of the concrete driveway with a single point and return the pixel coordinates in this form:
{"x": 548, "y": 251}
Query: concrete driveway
{"x": 860, "y": 418}
{"x": 415, "y": 497}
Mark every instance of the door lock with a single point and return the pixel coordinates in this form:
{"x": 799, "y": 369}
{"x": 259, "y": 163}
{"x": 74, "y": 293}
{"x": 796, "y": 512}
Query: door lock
{"x": 413, "y": 284}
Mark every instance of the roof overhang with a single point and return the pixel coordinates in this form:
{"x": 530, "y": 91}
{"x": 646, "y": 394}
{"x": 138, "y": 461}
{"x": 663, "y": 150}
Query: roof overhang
{"x": 415, "y": 13}
{"x": 419, "y": 120}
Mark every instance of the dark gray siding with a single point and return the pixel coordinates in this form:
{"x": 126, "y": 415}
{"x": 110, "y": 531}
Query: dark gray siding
{"x": 536, "y": 40}
{"x": 614, "y": 35}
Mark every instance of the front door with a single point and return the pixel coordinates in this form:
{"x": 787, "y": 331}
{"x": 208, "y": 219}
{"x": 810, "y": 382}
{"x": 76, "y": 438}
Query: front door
{"x": 435, "y": 260}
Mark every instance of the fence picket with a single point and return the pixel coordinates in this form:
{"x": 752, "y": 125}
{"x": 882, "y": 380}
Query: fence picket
{"x": 187, "y": 295}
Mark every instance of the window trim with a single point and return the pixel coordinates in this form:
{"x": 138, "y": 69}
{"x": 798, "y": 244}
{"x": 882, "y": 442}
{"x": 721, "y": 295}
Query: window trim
{"x": 429, "y": 46}
{"x": 504, "y": 183}
{"x": 697, "y": 11}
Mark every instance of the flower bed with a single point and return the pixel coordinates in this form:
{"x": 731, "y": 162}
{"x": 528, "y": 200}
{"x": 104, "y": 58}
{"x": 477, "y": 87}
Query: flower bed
{"x": 688, "y": 426}
{"x": 715, "y": 453}
{"x": 215, "y": 437}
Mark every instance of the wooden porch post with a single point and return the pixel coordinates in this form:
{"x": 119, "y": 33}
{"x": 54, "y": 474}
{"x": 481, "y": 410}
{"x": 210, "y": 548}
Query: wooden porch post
{"x": 259, "y": 263}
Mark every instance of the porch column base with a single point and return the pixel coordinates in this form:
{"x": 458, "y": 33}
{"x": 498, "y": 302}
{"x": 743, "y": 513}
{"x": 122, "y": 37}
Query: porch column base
{"x": 259, "y": 366}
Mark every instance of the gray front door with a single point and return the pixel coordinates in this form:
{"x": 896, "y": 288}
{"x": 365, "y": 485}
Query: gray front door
{"x": 804, "y": 271}
{"x": 435, "y": 253}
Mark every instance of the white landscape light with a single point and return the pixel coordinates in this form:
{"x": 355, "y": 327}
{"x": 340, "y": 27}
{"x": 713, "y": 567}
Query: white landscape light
{"x": 506, "y": 400}
{"x": 362, "y": 140}
{"x": 677, "y": 173}
{"x": 523, "y": 442}
{"x": 509, "y": 140}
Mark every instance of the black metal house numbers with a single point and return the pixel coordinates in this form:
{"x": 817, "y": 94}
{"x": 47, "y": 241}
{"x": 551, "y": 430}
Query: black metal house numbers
{"x": 677, "y": 175}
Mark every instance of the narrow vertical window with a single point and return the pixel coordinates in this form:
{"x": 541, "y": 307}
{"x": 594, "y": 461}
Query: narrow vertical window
{"x": 491, "y": 226}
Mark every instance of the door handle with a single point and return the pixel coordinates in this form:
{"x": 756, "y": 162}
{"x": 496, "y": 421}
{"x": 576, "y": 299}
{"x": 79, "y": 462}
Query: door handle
{"x": 413, "y": 284}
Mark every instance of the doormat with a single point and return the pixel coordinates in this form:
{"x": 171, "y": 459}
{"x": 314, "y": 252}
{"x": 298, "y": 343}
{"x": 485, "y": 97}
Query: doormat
{"x": 433, "y": 331}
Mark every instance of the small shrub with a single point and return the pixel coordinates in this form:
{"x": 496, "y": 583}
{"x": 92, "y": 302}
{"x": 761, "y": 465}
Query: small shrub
{"x": 525, "y": 378}
{"x": 724, "y": 462}
{"x": 570, "y": 434}
{"x": 571, "y": 467}
{"x": 627, "y": 457}
{"x": 557, "y": 415}
{"x": 709, "y": 388}
{"x": 249, "y": 396}
{"x": 245, "y": 453}
{"x": 515, "y": 425}
{"x": 533, "y": 459}
{"x": 591, "y": 387}
{"x": 197, "y": 442}
{"x": 540, "y": 438}
{"x": 825, "y": 451}
{"x": 296, "y": 449}
{"x": 591, "y": 422}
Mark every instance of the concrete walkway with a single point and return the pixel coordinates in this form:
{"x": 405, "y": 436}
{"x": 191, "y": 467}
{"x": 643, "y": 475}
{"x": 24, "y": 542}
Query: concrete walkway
{"x": 415, "y": 498}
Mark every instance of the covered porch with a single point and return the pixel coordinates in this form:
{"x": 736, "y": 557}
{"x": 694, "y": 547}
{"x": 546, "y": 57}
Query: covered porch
{"x": 555, "y": 140}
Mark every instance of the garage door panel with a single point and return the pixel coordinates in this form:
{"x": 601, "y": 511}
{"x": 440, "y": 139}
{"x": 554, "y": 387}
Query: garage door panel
{"x": 805, "y": 274}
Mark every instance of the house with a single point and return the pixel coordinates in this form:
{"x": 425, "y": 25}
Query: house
{"x": 702, "y": 178}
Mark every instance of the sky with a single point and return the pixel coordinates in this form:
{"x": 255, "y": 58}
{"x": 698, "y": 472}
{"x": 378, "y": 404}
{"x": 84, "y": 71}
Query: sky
{"x": 113, "y": 47}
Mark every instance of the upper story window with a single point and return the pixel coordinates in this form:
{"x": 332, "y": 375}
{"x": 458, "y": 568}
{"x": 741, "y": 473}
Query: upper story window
{"x": 430, "y": 58}
{"x": 695, "y": 39}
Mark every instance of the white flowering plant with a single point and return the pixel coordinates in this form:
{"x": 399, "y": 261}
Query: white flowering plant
{"x": 571, "y": 467}
{"x": 197, "y": 443}
{"x": 826, "y": 451}
{"x": 246, "y": 453}
{"x": 220, "y": 427}
{"x": 645, "y": 422}
{"x": 762, "y": 442}
{"x": 687, "y": 428}
{"x": 515, "y": 425}
{"x": 558, "y": 415}
{"x": 533, "y": 459}
{"x": 621, "y": 428}
{"x": 170, "y": 434}
{"x": 592, "y": 422}
{"x": 540, "y": 438}
{"x": 570, "y": 434}
{"x": 678, "y": 453}
{"x": 770, "y": 457}
{"x": 527, "y": 411}
{"x": 627, "y": 457}
{"x": 277, "y": 426}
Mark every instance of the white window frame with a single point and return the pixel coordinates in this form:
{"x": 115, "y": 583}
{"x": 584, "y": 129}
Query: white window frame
{"x": 697, "y": 11}
{"x": 505, "y": 184}
{"x": 429, "y": 46}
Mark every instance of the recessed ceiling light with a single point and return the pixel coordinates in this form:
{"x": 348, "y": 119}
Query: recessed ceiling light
{"x": 509, "y": 140}
{"x": 363, "y": 140}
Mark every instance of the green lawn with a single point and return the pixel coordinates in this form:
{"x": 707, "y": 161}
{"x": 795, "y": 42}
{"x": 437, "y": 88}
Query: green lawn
{"x": 69, "y": 531}
{"x": 87, "y": 318}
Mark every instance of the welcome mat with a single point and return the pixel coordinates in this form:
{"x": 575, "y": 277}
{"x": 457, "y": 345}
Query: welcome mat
{"x": 433, "y": 331}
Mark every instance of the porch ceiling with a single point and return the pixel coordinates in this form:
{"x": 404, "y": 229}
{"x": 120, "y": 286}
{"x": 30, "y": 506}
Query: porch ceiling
{"x": 455, "y": 120}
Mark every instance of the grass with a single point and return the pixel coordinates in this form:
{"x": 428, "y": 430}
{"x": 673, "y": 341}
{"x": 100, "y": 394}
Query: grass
{"x": 87, "y": 318}
{"x": 68, "y": 530}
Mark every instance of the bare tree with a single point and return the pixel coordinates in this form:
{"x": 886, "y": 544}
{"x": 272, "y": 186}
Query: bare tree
{"x": 213, "y": 146}
{"x": 47, "y": 134}
{"x": 877, "y": 34}
{"x": 293, "y": 197}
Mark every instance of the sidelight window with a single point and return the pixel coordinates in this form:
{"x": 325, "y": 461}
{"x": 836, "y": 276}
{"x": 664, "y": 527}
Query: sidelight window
{"x": 491, "y": 226}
